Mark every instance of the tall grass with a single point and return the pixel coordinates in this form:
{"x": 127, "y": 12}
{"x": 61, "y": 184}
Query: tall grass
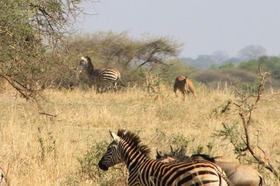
{"x": 64, "y": 149}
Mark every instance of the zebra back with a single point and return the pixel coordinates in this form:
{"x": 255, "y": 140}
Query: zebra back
{"x": 146, "y": 171}
{"x": 109, "y": 75}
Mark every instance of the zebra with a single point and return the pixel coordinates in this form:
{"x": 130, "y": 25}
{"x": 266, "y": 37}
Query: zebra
{"x": 185, "y": 86}
{"x": 238, "y": 174}
{"x": 3, "y": 179}
{"x": 145, "y": 171}
{"x": 98, "y": 77}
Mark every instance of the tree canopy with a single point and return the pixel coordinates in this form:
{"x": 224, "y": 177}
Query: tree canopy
{"x": 30, "y": 34}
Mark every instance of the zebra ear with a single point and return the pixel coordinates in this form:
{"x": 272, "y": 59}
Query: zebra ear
{"x": 115, "y": 136}
{"x": 124, "y": 131}
{"x": 159, "y": 154}
{"x": 83, "y": 58}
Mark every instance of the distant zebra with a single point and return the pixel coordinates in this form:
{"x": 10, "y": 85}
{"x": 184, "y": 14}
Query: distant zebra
{"x": 238, "y": 174}
{"x": 108, "y": 77}
{"x": 144, "y": 171}
{"x": 185, "y": 86}
{"x": 3, "y": 179}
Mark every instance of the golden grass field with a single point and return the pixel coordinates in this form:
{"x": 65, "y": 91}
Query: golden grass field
{"x": 38, "y": 149}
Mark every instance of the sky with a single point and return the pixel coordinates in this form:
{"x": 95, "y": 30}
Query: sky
{"x": 202, "y": 26}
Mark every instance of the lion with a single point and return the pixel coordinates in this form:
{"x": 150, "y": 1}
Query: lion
{"x": 185, "y": 85}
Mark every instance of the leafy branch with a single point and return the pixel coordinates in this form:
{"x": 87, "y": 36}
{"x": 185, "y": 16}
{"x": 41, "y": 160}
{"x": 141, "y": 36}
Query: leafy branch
{"x": 246, "y": 106}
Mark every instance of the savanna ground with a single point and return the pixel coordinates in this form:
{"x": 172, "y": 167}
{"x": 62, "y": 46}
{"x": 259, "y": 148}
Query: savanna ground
{"x": 64, "y": 149}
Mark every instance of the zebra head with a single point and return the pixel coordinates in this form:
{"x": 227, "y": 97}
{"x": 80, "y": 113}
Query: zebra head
{"x": 113, "y": 154}
{"x": 85, "y": 64}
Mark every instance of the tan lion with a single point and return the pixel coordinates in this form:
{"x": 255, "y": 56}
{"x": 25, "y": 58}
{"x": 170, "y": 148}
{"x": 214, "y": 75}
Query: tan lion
{"x": 185, "y": 86}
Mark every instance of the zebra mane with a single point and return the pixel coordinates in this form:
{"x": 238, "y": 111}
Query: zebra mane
{"x": 87, "y": 58}
{"x": 89, "y": 62}
{"x": 134, "y": 141}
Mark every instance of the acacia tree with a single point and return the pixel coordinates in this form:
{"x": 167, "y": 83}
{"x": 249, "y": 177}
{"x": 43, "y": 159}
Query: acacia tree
{"x": 252, "y": 52}
{"x": 31, "y": 32}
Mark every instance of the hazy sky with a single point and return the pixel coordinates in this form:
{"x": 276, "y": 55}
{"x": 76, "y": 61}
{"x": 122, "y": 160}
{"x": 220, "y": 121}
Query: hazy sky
{"x": 203, "y": 26}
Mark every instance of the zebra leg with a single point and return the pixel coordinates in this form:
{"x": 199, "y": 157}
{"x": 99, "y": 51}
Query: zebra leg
{"x": 98, "y": 88}
{"x": 115, "y": 86}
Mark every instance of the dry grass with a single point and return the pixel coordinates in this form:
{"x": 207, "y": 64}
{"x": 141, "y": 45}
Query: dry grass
{"x": 41, "y": 150}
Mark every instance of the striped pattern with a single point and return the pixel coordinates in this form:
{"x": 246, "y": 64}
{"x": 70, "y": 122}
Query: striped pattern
{"x": 148, "y": 172}
{"x": 109, "y": 75}
{"x": 237, "y": 174}
{"x": 101, "y": 78}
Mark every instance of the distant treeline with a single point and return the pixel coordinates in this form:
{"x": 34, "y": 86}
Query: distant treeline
{"x": 236, "y": 70}
{"x": 152, "y": 61}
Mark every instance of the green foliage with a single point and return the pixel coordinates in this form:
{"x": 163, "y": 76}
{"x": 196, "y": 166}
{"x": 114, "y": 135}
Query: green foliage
{"x": 89, "y": 169}
{"x": 88, "y": 162}
{"x": 269, "y": 64}
{"x": 232, "y": 133}
{"x": 210, "y": 146}
{"x": 30, "y": 38}
{"x": 228, "y": 132}
{"x": 213, "y": 77}
{"x": 228, "y": 65}
{"x": 179, "y": 140}
{"x": 174, "y": 68}
{"x": 47, "y": 145}
{"x": 250, "y": 66}
{"x": 134, "y": 58}
{"x": 198, "y": 150}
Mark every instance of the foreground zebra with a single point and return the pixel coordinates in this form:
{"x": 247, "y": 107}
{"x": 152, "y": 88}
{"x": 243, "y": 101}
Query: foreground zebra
{"x": 148, "y": 172}
{"x": 184, "y": 85}
{"x": 239, "y": 175}
{"x": 99, "y": 77}
{"x": 3, "y": 179}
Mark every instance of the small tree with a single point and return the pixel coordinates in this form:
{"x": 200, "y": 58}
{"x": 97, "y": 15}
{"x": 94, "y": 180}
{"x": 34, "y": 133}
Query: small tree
{"x": 241, "y": 140}
{"x": 31, "y": 33}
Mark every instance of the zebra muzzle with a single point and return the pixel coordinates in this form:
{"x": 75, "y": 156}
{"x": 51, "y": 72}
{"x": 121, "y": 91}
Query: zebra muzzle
{"x": 102, "y": 166}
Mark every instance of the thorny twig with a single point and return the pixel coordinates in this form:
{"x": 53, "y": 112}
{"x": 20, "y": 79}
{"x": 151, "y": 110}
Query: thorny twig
{"x": 245, "y": 113}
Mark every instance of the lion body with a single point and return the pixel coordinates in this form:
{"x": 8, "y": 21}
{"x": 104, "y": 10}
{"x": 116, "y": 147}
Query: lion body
{"x": 184, "y": 85}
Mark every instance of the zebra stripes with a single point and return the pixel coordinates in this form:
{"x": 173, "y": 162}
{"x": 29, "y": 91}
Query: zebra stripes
{"x": 108, "y": 77}
{"x": 237, "y": 174}
{"x": 126, "y": 147}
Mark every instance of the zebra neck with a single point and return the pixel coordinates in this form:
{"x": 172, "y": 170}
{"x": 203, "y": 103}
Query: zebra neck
{"x": 90, "y": 71}
{"x": 133, "y": 158}
{"x": 95, "y": 72}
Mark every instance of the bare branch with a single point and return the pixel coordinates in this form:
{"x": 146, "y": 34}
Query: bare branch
{"x": 245, "y": 113}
